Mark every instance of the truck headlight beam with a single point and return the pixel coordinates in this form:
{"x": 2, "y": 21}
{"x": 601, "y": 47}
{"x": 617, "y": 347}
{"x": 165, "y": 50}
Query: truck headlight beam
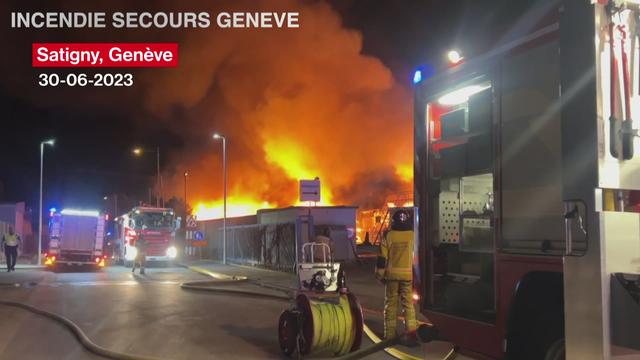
{"x": 172, "y": 252}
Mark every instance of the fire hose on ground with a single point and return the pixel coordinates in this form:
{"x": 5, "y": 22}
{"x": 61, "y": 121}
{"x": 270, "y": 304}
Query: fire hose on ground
{"x": 336, "y": 341}
{"x": 344, "y": 346}
{"x": 84, "y": 340}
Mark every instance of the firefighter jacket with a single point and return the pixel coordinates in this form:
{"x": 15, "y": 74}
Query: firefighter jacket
{"x": 10, "y": 240}
{"x": 396, "y": 256}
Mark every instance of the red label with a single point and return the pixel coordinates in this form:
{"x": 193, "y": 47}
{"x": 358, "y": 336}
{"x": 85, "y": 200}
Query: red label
{"x": 104, "y": 54}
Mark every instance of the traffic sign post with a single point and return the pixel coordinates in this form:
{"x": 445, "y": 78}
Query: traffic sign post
{"x": 310, "y": 190}
{"x": 191, "y": 222}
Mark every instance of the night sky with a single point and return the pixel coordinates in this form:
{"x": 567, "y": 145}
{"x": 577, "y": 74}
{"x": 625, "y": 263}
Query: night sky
{"x": 92, "y": 157}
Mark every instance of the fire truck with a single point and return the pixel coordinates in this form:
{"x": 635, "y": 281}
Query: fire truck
{"x": 75, "y": 238}
{"x": 527, "y": 167}
{"x": 156, "y": 225}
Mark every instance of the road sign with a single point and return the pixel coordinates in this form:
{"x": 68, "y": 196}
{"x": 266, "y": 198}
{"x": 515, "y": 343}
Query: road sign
{"x": 310, "y": 190}
{"x": 191, "y": 222}
{"x": 198, "y": 235}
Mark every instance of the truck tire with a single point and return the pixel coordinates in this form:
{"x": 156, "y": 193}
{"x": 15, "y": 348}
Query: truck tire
{"x": 535, "y": 325}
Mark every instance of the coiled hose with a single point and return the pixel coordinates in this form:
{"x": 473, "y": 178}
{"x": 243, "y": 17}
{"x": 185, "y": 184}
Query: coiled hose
{"x": 379, "y": 344}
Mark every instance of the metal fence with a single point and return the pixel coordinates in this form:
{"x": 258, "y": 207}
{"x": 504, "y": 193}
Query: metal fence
{"x": 272, "y": 246}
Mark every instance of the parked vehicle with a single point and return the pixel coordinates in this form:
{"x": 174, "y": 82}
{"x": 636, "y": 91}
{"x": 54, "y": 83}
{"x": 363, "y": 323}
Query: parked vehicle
{"x": 76, "y": 238}
{"x": 525, "y": 161}
{"x": 157, "y": 225}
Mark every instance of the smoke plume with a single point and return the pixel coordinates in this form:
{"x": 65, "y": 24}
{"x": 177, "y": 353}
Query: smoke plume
{"x": 292, "y": 104}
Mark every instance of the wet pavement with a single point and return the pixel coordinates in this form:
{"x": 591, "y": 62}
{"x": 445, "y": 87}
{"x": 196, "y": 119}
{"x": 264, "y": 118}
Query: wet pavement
{"x": 151, "y": 315}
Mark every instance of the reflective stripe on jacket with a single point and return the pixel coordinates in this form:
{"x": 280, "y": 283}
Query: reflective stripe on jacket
{"x": 397, "y": 249}
{"x": 11, "y": 240}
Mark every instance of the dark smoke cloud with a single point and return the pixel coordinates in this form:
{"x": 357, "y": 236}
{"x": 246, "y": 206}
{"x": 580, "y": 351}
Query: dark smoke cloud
{"x": 371, "y": 189}
{"x": 307, "y": 96}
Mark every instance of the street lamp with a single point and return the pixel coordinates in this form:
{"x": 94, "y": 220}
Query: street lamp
{"x": 454, "y": 57}
{"x": 186, "y": 173}
{"x": 224, "y": 208}
{"x": 42, "y": 144}
{"x": 138, "y": 152}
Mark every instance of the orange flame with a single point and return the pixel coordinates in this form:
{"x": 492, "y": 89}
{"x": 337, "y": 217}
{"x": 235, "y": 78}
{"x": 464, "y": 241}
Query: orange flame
{"x": 236, "y": 206}
{"x": 292, "y": 158}
{"x": 405, "y": 172}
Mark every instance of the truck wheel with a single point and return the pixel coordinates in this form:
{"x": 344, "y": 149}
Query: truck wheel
{"x": 556, "y": 351}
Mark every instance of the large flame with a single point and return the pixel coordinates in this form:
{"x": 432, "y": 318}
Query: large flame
{"x": 236, "y": 206}
{"x": 292, "y": 158}
{"x": 292, "y": 105}
{"x": 405, "y": 172}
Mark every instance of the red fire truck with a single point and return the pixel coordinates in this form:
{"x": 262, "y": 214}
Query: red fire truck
{"x": 157, "y": 225}
{"x": 525, "y": 161}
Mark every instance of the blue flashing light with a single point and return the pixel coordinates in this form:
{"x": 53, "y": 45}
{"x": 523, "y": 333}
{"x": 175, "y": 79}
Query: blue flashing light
{"x": 53, "y": 210}
{"x": 422, "y": 73}
{"x": 417, "y": 76}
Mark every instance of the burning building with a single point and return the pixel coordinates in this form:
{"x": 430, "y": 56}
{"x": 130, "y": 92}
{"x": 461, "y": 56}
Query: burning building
{"x": 292, "y": 105}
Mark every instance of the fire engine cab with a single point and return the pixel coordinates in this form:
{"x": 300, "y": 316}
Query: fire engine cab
{"x": 526, "y": 161}
{"x": 157, "y": 226}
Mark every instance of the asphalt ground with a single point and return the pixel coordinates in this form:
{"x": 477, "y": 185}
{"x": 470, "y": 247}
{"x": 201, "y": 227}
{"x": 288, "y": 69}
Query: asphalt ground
{"x": 151, "y": 315}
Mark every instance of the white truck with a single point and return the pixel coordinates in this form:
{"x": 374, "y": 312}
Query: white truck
{"x": 76, "y": 238}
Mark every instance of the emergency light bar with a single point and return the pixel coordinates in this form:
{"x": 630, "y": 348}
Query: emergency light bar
{"x": 77, "y": 212}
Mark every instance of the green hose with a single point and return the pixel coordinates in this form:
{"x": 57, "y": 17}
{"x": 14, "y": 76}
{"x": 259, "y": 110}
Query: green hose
{"x": 386, "y": 345}
{"x": 332, "y": 327}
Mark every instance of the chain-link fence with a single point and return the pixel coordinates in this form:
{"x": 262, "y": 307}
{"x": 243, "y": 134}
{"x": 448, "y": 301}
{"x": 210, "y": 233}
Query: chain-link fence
{"x": 272, "y": 246}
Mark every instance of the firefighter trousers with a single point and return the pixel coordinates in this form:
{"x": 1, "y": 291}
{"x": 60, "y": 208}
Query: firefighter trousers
{"x": 395, "y": 289}
{"x": 11, "y": 252}
{"x": 141, "y": 259}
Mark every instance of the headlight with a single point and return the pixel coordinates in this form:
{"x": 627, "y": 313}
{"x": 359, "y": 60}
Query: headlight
{"x": 172, "y": 252}
{"x": 130, "y": 253}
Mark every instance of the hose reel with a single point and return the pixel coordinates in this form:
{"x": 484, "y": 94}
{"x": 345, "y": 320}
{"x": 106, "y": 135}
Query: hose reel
{"x": 329, "y": 326}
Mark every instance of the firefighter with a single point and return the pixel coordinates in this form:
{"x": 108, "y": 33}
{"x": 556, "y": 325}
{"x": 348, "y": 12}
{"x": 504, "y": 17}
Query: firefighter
{"x": 394, "y": 268}
{"x": 141, "y": 255}
{"x": 10, "y": 242}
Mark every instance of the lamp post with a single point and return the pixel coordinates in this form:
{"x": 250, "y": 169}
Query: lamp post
{"x": 138, "y": 152}
{"x": 186, "y": 173}
{"x": 224, "y": 208}
{"x": 115, "y": 207}
{"x": 42, "y": 143}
